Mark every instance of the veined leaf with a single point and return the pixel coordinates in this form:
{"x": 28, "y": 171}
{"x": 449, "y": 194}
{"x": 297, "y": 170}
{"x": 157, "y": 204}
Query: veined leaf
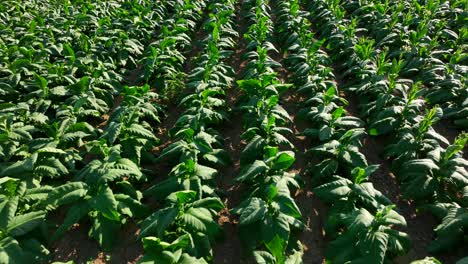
{"x": 252, "y": 171}
{"x": 253, "y": 211}
{"x": 158, "y": 222}
{"x": 105, "y": 203}
{"x": 22, "y": 224}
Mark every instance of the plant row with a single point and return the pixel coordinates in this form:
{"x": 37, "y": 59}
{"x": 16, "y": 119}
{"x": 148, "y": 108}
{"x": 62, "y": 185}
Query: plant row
{"x": 430, "y": 41}
{"x": 268, "y": 214}
{"x": 184, "y": 228}
{"x": 62, "y": 80}
{"x": 431, "y": 171}
{"x": 425, "y": 46}
{"x": 361, "y": 221}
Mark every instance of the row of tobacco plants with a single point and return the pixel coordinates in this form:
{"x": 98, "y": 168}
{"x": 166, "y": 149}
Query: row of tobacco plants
{"x": 431, "y": 171}
{"x": 362, "y": 223}
{"x": 184, "y": 228}
{"x": 84, "y": 87}
{"x": 74, "y": 136}
{"x": 268, "y": 214}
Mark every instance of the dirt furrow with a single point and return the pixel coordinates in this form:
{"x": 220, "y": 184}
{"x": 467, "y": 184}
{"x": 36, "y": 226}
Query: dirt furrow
{"x": 313, "y": 210}
{"x": 229, "y": 249}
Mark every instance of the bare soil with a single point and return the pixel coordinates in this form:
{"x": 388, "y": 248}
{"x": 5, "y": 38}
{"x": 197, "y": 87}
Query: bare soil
{"x": 77, "y": 246}
{"x": 313, "y": 210}
{"x": 229, "y": 249}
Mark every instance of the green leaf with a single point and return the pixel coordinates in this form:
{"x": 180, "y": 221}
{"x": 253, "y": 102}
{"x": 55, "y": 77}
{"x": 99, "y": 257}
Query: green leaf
{"x": 263, "y": 257}
{"x": 325, "y": 133}
{"x": 254, "y": 211}
{"x": 173, "y": 150}
{"x": 113, "y": 131}
{"x": 182, "y": 197}
{"x": 427, "y": 260}
{"x": 192, "y": 220}
{"x": 393, "y": 218}
{"x": 288, "y": 206}
{"x": 22, "y": 224}
{"x": 283, "y": 161}
{"x": 252, "y": 171}
{"x": 40, "y": 81}
{"x": 7, "y": 179}
{"x": 253, "y": 149}
{"x": 104, "y": 231}
{"x": 277, "y": 247}
{"x": 158, "y": 222}
{"x": 105, "y": 203}
{"x": 163, "y": 188}
{"x": 457, "y": 146}
{"x": 209, "y": 203}
{"x": 375, "y": 245}
{"x": 11, "y": 252}
{"x": 65, "y": 194}
{"x": 130, "y": 206}
{"x": 218, "y": 157}
{"x": 7, "y": 212}
{"x": 398, "y": 242}
{"x": 295, "y": 258}
{"x": 9, "y": 186}
{"x": 383, "y": 126}
{"x": 334, "y": 190}
{"x": 204, "y": 172}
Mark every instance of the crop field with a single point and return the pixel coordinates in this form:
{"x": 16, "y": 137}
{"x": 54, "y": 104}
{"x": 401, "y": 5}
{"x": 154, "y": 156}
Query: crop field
{"x": 225, "y": 131}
